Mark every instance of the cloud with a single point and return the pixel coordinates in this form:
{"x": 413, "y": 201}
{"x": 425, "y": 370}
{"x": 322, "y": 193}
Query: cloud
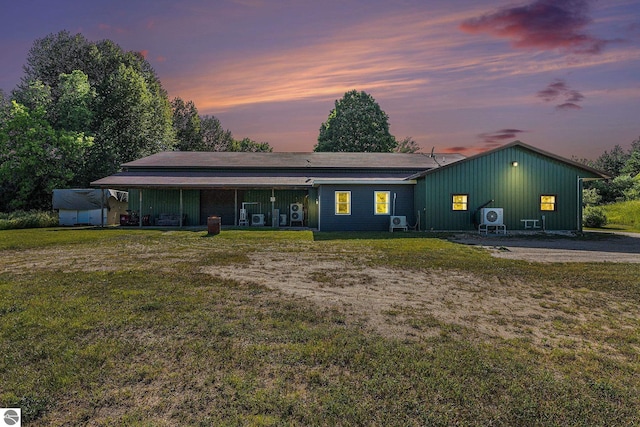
{"x": 456, "y": 149}
{"x": 542, "y": 24}
{"x": 560, "y": 90}
{"x": 494, "y": 139}
{"x": 568, "y": 106}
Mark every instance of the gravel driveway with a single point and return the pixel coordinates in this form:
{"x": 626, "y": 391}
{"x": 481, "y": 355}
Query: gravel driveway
{"x": 592, "y": 247}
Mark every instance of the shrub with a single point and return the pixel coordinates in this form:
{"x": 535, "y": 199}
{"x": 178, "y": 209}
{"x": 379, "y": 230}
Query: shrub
{"x": 29, "y": 219}
{"x": 594, "y": 217}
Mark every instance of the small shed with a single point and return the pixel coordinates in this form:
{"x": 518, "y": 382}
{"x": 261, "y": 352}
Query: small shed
{"x": 79, "y": 206}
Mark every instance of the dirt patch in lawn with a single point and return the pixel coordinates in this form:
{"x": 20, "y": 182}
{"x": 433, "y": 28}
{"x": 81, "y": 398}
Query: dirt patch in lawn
{"x": 415, "y": 304}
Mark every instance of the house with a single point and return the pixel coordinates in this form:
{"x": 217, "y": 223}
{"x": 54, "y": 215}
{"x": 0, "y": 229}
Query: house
{"x": 356, "y": 191}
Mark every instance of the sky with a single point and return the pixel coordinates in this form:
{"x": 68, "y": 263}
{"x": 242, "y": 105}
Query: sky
{"x": 458, "y": 76}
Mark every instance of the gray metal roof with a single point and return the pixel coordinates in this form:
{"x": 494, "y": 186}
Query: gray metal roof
{"x": 242, "y": 160}
{"x": 126, "y": 180}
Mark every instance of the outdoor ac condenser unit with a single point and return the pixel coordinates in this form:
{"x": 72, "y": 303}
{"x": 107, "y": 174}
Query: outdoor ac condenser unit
{"x": 296, "y": 213}
{"x": 397, "y": 221}
{"x": 257, "y": 219}
{"x": 491, "y": 216}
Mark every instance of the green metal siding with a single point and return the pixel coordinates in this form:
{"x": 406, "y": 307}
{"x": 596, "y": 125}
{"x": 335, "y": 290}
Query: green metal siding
{"x": 284, "y": 199}
{"x": 156, "y": 202}
{"x": 515, "y": 189}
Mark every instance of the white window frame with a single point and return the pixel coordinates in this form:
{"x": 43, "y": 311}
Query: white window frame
{"x": 337, "y": 203}
{"x": 387, "y": 203}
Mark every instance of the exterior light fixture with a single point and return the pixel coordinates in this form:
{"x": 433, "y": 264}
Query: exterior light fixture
{"x": 514, "y": 164}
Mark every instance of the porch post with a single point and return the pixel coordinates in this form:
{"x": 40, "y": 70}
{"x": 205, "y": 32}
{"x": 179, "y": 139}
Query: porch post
{"x": 181, "y": 208}
{"x": 235, "y": 208}
{"x": 140, "y": 209}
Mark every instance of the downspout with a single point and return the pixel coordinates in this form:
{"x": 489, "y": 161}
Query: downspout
{"x": 319, "y": 208}
{"x": 579, "y": 202}
{"x": 395, "y": 195}
{"x": 181, "y": 208}
{"x": 102, "y": 190}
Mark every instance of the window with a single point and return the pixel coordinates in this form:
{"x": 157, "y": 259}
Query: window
{"x": 343, "y": 202}
{"x": 382, "y": 203}
{"x": 547, "y": 202}
{"x": 460, "y": 202}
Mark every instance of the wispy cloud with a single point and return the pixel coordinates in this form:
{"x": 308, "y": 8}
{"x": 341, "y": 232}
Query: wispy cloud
{"x": 560, "y": 90}
{"x": 542, "y": 24}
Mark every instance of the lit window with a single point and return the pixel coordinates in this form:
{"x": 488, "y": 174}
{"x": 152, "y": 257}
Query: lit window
{"x": 382, "y": 203}
{"x": 343, "y": 202}
{"x": 460, "y": 202}
{"x": 547, "y": 202}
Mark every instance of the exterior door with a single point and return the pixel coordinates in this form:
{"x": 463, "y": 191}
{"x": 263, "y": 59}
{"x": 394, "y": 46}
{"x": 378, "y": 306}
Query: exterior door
{"x": 218, "y": 203}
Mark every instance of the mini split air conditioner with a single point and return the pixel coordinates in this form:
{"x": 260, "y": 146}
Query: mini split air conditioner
{"x": 257, "y": 219}
{"x": 491, "y": 216}
{"x": 397, "y": 221}
{"x": 295, "y": 213}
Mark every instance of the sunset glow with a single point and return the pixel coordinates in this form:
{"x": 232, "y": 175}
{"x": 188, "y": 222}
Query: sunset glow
{"x": 460, "y": 76}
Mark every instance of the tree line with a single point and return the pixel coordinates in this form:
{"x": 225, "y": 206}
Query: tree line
{"x": 624, "y": 168}
{"x": 81, "y": 110}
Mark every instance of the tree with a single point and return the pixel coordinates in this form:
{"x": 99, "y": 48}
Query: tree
{"x": 249, "y": 145}
{"x": 612, "y": 162}
{"x": 35, "y": 158}
{"x": 186, "y": 125}
{"x": 214, "y": 136}
{"x": 103, "y": 91}
{"x": 407, "y": 145}
{"x": 356, "y": 124}
{"x": 73, "y": 111}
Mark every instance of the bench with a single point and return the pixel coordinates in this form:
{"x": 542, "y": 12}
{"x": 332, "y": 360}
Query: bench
{"x": 170, "y": 220}
{"x": 530, "y": 223}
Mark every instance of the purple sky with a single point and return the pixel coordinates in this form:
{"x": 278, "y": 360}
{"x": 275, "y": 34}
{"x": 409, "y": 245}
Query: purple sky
{"x": 461, "y": 76}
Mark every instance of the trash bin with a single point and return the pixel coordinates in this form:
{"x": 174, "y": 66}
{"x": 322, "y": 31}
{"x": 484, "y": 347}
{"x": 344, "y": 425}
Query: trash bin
{"x": 213, "y": 225}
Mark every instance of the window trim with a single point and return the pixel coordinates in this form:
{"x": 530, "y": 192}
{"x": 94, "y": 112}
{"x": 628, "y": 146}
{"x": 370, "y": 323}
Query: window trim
{"x": 348, "y": 202}
{"x": 387, "y": 203}
{"x": 465, "y": 203}
{"x": 554, "y": 203}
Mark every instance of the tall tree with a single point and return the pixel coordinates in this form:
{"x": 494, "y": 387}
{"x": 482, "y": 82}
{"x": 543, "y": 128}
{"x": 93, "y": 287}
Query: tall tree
{"x": 35, "y": 158}
{"x": 214, "y": 136}
{"x": 103, "y": 91}
{"x": 356, "y": 124}
{"x": 186, "y": 125}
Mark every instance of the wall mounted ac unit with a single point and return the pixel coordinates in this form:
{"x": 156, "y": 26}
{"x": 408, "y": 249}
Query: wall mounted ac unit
{"x": 491, "y": 216}
{"x": 283, "y": 219}
{"x": 295, "y": 213}
{"x": 397, "y": 221}
{"x": 257, "y": 219}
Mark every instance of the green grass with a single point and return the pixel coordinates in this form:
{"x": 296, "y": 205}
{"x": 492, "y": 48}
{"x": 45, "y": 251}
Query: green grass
{"x": 140, "y": 345}
{"x": 623, "y": 216}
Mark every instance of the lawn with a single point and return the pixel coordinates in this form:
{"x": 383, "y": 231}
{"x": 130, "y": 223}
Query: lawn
{"x": 134, "y": 327}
